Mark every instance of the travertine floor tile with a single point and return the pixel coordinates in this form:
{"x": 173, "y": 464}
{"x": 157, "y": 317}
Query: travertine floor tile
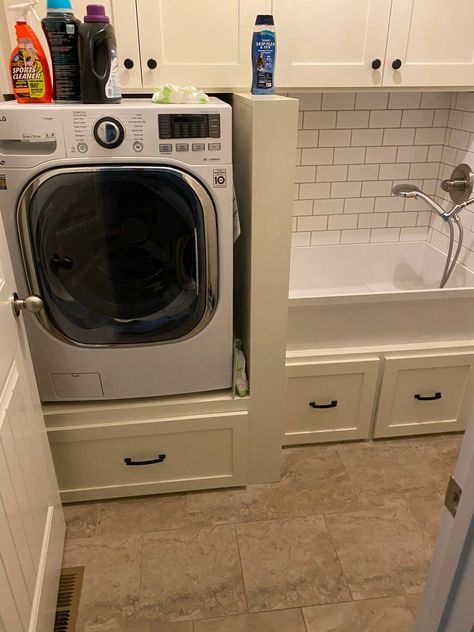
{"x": 374, "y": 615}
{"x": 111, "y": 577}
{"x": 428, "y": 516}
{"x": 141, "y": 515}
{"x": 191, "y": 574}
{"x": 384, "y": 472}
{"x": 440, "y": 459}
{"x": 413, "y": 602}
{"x": 137, "y": 624}
{"x": 383, "y": 552}
{"x": 310, "y": 463}
{"x": 226, "y": 506}
{"x": 81, "y": 519}
{"x": 290, "y": 563}
{"x": 279, "y": 621}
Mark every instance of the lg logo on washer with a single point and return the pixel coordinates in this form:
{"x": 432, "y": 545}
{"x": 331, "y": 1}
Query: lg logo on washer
{"x": 3, "y": 119}
{"x": 220, "y": 178}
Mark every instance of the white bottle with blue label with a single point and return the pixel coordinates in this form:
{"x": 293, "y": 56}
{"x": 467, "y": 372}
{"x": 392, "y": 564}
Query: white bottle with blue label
{"x": 263, "y": 55}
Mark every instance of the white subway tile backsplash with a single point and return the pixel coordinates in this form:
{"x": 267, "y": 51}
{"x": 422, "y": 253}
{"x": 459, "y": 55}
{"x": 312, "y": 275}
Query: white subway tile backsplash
{"x": 352, "y": 148}
{"x": 332, "y": 173}
{"x": 366, "y": 137}
{"x": 314, "y": 191}
{"x": 404, "y": 100}
{"x": 381, "y": 154}
{"x": 376, "y": 188}
{"x": 359, "y": 205}
{"x": 399, "y": 219}
{"x": 325, "y": 237}
{"x": 363, "y": 172}
{"x": 308, "y": 138}
{"x": 385, "y": 118}
{"x": 412, "y": 154}
{"x": 338, "y": 222}
{"x": 335, "y": 138}
{"x": 338, "y": 101}
{"x": 373, "y": 220}
{"x": 398, "y": 136}
{"x": 417, "y": 118}
{"x": 394, "y": 171}
{"x": 305, "y": 174}
{"x": 302, "y": 207}
{"x": 355, "y": 236}
{"x": 349, "y": 155}
{"x": 308, "y": 100}
{"x": 317, "y": 156}
{"x": 352, "y": 119}
{"x": 346, "y": 189}
{"x": 315, "y": 222}
{"x": 329, "y": 206}
{"x": 319, "y": 120}
{"x": 384, "y": 234}
{"x": 371, "y": 100}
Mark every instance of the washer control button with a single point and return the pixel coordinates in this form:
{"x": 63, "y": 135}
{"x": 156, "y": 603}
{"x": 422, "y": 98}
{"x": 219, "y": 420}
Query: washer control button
{"x": 199, "y": 146}
{"x": 214, "y": 146}
{"x": 166, "y": 148}
{"x": 182, "y": 146}
{"x": 138, "y": 146}
{"x": 82, "y": 148}
{"x": 109, "y": 132}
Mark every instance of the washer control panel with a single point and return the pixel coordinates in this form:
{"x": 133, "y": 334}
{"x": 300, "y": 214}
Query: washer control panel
{"x": 109, "y": 132}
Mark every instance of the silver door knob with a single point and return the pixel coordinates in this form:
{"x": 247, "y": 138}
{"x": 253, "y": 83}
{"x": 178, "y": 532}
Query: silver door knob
{"x": 32, "y": 304}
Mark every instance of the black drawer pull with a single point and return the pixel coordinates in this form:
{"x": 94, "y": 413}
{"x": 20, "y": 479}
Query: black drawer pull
{"x": 160, "y": 459}
{"x": 397, "y": 64}
{"x": 376, "y": 64}
{"x": 428, "y": 398}
{"x": 333, "y": 404}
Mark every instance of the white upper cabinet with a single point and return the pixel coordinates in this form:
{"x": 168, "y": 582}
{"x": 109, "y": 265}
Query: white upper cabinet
{"x": 205, "y": 43}
{"x": 330, "y": 43}
{"x": 432, "y": 39}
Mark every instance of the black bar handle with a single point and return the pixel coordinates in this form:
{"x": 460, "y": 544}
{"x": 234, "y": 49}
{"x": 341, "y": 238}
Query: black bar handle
{"x": 333, "y": 404}
{"x": 160, "y": 459}
{"x": 429, "y": 398}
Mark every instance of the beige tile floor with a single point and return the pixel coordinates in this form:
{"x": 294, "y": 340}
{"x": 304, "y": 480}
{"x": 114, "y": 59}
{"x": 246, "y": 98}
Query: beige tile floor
{"x": 341, "y": 544}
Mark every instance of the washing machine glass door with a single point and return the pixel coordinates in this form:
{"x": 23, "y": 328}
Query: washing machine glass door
{"x": 121, "y": 255}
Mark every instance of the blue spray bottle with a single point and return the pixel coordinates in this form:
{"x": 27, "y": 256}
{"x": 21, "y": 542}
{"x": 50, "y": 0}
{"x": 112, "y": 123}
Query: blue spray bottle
{"x": 263, "y": 55}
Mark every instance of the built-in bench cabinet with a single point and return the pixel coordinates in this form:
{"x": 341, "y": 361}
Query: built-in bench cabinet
{"x": 377, "y": 395}
{"x": 323, "y": 44}
{"x": 113, "y": 449}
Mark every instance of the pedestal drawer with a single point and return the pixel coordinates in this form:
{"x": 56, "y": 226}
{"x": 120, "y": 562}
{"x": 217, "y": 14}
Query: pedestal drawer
{"x": 330, "y": 401}
{"x": 424, "y": 394}
{"x": 145, "y": 457}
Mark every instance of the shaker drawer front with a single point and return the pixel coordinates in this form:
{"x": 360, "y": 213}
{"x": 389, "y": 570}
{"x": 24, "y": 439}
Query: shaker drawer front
{"x": 330, "y": 401}
{"x": 150, "y": 457}
{"x": 424, "y": 394}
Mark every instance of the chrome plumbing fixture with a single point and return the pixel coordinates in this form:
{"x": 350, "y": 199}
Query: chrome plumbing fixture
{"x": 460, "y": 187}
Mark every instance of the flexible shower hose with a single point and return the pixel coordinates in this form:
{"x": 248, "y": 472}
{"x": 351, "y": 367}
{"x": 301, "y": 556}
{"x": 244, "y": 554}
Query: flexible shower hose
{"x": 450, "y": 263}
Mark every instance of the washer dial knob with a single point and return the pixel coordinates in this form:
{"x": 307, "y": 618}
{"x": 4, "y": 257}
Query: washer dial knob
{"x": 109, "y": 132}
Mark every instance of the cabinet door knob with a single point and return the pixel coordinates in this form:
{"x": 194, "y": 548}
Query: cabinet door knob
{"x": 152, "y": 63}
{"x": 396, "y": 64}
{"x": 128, "y": 63}
{"x": 376, "y": 64}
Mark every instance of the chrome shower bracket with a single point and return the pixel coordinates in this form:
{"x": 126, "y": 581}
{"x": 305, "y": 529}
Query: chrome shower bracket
{"x": 460, "y": 184}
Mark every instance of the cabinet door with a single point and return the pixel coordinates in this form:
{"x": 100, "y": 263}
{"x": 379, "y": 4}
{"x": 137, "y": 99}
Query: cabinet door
{"x": 123, "y": 16}
{"x": 330, "y": 43}
{"x": 205, "y": 43}
{"x": 431, "y": 54}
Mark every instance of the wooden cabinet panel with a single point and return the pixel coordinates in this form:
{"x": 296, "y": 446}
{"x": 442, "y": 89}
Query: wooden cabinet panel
{"x": 330, "y": 401}
{"x": 430, "y": 53}
{"x": 425, "y": 394}
{"x": 330, "y": 43}
{"x": 204, "y": 43}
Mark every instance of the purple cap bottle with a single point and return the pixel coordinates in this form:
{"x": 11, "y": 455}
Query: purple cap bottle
{"x": 96, "y": 13}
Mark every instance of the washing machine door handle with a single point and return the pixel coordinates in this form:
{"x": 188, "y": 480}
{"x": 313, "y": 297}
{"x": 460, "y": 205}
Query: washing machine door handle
{"x": 32, "y": 304}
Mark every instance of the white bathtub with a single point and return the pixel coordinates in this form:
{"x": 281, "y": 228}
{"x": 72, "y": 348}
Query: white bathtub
{"x": 372, "y": 294}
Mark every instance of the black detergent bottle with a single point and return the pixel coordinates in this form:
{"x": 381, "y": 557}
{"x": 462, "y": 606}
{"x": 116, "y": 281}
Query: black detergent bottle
{"x": 98, "y": 58}
{"x": 62, "y": 31}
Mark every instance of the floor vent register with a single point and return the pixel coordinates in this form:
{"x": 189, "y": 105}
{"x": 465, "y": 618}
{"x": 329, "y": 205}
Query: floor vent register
{"x": 70, "y": 585}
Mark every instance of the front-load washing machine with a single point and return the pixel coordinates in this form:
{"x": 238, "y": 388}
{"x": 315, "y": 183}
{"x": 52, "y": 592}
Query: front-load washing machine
{"x": 120, "y": 218}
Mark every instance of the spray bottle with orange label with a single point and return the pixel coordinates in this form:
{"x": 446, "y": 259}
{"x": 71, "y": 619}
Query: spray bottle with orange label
{"x": 29, "y": 69}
